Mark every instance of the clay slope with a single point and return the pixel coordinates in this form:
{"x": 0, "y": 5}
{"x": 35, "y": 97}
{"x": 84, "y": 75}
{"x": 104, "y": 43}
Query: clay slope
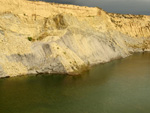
{"x": 39, "y": 37}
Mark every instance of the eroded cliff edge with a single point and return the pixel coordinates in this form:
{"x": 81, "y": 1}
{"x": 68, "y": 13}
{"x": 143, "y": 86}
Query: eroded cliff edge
{"x": 39, "y": 37}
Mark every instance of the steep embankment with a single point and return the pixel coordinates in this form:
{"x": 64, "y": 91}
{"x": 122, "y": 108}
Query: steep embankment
{"x": 39, "y": 37}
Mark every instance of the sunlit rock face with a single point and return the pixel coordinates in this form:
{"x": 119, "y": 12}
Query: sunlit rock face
{"x": 39, "y": 37}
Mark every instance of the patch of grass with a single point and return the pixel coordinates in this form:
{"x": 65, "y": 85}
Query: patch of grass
{"x": 30, "y": 38}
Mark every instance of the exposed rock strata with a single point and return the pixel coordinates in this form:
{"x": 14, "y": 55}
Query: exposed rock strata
{"x": 39, "y": 37}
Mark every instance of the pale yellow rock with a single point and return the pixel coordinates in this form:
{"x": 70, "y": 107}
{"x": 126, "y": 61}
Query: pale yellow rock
{"x": 69, "y": 59}
{"x": 39, "y": 37}
{"x": 133, "y": 25}
{"x": 12, "y": 68}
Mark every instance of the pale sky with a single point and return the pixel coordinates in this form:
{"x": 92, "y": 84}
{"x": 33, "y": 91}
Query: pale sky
{"x": 115, "y": 6}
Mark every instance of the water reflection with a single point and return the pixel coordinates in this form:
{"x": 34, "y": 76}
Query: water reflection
{"x": 121, "y": 86}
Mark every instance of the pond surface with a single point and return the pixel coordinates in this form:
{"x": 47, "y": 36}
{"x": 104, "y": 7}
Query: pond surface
{"x": 121, "y": 86}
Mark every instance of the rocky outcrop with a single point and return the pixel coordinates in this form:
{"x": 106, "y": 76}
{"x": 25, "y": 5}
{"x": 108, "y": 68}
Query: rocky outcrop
{"x": 39, "y": 37}
{"x": 132, "y": 25}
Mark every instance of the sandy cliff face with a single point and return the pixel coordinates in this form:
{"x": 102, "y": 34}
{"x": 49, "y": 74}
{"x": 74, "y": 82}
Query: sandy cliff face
{"x": 39, "y": 37}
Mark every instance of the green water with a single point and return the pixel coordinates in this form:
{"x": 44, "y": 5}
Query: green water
{"x": 121, "y": 86}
